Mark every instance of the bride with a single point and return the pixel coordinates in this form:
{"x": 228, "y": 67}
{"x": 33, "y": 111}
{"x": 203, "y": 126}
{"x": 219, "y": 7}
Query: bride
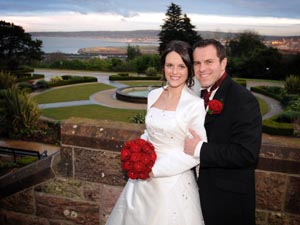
{"x": 170, "y": 196}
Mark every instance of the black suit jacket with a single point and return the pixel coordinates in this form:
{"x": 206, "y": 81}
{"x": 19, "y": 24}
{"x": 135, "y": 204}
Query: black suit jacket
{"x": 228, "y": 160}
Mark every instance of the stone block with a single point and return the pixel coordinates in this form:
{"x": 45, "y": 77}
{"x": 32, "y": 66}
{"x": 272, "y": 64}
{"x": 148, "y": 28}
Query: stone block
{"x": 91, "y": 192}
{"x": 109, "y": 197}
{"x": 68, "y": 188}
{"x": 98, "y": 166}
{"x": 294, "y": 219}
{"x": 261, "y": 217}
{"x": 98, "y": 134}
{"x": 13, "y": 218}
{"x": 292, "y": 203}
{"x": 20, "y": 202}
{"x": 63, "y": 162}
{"x": 279, "y": 159}
{"x": 58, "y": 208}
{"x": 277, "y": 218}
{"x": 270, "y": 190}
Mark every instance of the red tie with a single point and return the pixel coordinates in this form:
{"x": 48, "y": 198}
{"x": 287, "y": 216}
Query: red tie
{"x": 205, "y": 94}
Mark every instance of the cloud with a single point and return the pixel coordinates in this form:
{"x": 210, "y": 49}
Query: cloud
{"x": 266, "y": 17}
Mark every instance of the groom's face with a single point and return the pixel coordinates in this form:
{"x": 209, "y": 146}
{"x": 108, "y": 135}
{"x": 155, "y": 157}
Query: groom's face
{"x": 207, "y": 65}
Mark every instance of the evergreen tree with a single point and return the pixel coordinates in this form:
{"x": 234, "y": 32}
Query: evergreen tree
{"x": 176, "y": 27}
{"x": 17, "y": 47}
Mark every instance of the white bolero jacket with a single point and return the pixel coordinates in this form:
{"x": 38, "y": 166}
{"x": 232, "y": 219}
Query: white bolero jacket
{"x": 190, "y": 113}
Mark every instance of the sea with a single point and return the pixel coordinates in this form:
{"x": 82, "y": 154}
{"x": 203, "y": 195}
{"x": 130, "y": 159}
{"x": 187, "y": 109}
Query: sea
{"x": 71, "y": 45}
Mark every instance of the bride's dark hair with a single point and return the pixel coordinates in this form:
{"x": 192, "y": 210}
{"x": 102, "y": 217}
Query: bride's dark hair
{"x": 186, "y": 53}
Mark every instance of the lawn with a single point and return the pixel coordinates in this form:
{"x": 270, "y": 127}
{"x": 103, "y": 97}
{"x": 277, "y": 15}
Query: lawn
{"x": 83, "y": 92}
{"x": 91, "y": 112}
{"x": 263, "y": 106}
{"x": 70, "y": 93}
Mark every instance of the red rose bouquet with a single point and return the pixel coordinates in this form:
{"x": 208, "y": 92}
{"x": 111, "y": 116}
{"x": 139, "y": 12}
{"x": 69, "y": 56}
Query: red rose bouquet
{"x": 138, "y": 157}
{"x": 215, "y": 106}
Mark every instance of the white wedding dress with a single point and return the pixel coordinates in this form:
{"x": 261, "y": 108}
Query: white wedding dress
{"x": 170, "y": 197}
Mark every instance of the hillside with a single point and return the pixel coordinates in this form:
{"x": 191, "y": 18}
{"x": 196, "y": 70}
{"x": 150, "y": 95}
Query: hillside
{"x": 141, "y": 34}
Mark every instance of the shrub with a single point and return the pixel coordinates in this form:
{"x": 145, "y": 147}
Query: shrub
{"x": 294, "y": 103}
{"x": 66, "y": 77}
{"x": 288, "y": 117}
{"x": 71, "y": 80}
{"x": 263, "y": 90}
{"x": 271, "y": 126}
{"x": 292, "y": 84}
{"x": 30, "y": 77}
{"x": 55, "y": 79}
{"x": 20, "y": 113}
{"x": 41, "y": 84}
{"x": 138, "y": 118}
{"x": 123, "y": 74}
{"x": 25, "y": 86}
{"x": 7, "y": 80}
{"x": 151, "y": 71}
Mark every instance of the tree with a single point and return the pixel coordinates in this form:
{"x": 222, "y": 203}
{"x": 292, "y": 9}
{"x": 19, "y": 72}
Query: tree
{"x": 133, "y": 51}
{"x": 245, "y": 43}
{"x": 250, "y": 57}
{"x": 176, "y": 27}
{"x": 17, "y": 47}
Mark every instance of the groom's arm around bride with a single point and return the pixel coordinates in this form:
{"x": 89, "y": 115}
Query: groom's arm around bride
{"x": 228, "y": 159}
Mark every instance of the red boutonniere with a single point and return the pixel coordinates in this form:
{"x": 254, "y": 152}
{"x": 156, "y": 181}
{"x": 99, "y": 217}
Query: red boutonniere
{"x": 215, "y": 106}
{"x": 138, "y": 157}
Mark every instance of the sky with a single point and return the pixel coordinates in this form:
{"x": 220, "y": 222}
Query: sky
{"x": 266, "y": 17}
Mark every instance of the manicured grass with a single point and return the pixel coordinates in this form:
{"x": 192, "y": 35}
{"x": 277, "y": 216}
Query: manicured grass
{"x": 90, "y": 111}
{"x": 263, "y": 106}
{"x": 70, "y": 93}
{"x": 83, "y": 92}
{"x": 260, "y": 80}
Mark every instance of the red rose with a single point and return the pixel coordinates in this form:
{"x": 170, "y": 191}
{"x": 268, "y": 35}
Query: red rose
{"x": 147, "y": 148}
{"x": 132, "y": 174}
{"x": 135, "y": 157}
{"x": 138, "y": 157}
{"x": 139, "y": 166}
{"x": 135, "y": 147}
{"x": 150, "y": 164}
{"x": 215, "y": 106}
{"x": 140, "y": 141}
{"x": 127, "y": 165}
{"x": 146, "y": 158}
{"x": 125, "y": 154}
{"x": 144, "y": 176}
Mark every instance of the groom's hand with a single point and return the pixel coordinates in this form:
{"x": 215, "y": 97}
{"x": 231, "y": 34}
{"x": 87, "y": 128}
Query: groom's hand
{"x": 191, "y": 142}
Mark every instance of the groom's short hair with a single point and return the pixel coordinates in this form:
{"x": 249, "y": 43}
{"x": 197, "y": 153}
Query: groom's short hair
{"x": 221, "y": 51}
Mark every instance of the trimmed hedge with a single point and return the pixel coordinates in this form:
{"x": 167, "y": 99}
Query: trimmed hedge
{"x": 29, "y": 77}
{"x": 241, "y": 82}
{"x": 261, "y": 90}
{"x": 118, "y": 77}
{"x": 72, "y": 81}
{"x": 271, "y": 126}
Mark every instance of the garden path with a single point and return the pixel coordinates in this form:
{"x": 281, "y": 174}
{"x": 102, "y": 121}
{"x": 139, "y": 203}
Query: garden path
{"x": 107, "y": 97}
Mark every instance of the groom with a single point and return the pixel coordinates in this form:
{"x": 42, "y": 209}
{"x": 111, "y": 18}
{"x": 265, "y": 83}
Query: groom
{"x": 229, "y": 157}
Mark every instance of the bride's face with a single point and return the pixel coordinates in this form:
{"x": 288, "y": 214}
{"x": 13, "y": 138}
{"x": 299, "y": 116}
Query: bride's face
{"x": 176, "y": 72}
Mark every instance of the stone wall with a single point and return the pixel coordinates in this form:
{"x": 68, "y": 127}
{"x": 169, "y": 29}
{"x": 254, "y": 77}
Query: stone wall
{"x": 85, "y": 179}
